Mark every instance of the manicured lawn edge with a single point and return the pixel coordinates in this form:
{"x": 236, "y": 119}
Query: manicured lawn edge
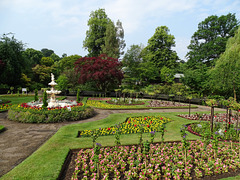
{"x": 2, "y": 128}
{"x": 47, "y": 161}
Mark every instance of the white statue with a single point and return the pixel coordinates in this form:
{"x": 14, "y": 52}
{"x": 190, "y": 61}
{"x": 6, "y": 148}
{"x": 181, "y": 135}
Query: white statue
{"x": 52, "y": 77}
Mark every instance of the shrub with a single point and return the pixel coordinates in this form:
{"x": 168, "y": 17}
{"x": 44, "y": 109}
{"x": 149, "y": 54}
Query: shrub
{"x": 31, "y": 115}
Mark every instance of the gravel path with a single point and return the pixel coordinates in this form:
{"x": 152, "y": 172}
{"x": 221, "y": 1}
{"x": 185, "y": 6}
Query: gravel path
{"x": 20, "y": 140}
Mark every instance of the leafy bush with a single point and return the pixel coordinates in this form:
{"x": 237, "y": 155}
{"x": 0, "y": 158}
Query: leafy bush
{"x": 2, "y": 128}
{"x": 31, "y": 115}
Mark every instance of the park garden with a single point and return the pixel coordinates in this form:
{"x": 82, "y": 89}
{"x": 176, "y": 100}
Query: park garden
{"x": 155, "y": 129}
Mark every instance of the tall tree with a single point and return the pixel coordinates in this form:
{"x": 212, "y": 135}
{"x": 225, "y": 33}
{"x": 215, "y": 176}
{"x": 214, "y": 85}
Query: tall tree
{"x": 226, "y": 74}
{"x": 209, "y": 41}
{"x": 104, "y": 71}
{"x": 103, "y": 37}
{"x": 159, "y": 49}
{"x": 131, "y": 65}
{"x": 111, "y": 46}
{"x": 95, "y": 35}
{"x": 11, "y": 59}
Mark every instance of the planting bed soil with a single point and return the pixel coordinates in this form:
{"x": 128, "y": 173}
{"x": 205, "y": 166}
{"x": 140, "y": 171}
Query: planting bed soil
{"x": 161, "y": 162}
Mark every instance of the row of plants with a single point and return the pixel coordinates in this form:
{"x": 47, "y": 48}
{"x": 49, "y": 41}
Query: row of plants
{"x": 157, "y": 161}
{"x": 28, "y": 114}
{"x": 102, "y": 105}
{"x": 157, "y": 103}
{"x": 5, "y": 107}
{"x": 141, "y": 124}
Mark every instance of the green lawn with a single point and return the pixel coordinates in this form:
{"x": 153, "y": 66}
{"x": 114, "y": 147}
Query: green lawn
{"x": 17, "y": 99}
{"x": 46, "y": 162}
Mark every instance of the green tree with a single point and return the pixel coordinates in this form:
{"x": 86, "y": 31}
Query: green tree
{"x": 32, "y": 56}
{"x": 47, "y": 61}
{"x": 95, "y": 36}
{"x": 47, "y": 52}
{"x": 209, "y": 41}
{"x": 103, "y": 37}
{"x": 226, "y": 75}
{"x": 12, "y": 61}
{"x": 62, "y": 82}
{"x": 159, "y": 49}
{"x": 131, "y": 64}
{"x": 55, "y": 57}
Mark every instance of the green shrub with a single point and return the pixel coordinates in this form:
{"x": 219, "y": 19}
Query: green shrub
{"x": 2, "y": 128}
{"x": 27, "y": 115}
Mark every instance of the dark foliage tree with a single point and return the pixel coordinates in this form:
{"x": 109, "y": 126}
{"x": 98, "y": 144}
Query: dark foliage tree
{"x": 12, "y": 61}
{"x": 104, "y": 71}
{"x": 209, "y": 41}
{"x": 47, "y": 52}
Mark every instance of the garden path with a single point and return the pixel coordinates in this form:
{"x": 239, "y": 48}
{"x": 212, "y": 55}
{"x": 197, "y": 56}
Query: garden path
{"x": 20, "y": 140}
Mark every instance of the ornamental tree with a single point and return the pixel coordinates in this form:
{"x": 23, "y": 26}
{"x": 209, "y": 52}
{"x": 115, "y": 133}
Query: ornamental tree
{"x": 104, "y": 71}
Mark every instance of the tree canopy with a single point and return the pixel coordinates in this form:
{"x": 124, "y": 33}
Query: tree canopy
{"x": 104, "y": 71}
{"x": 12, "y": 61}
{"x": 103, "y": 37}
{"x": 226, "y": 74}
{"x": 209, "y": 41}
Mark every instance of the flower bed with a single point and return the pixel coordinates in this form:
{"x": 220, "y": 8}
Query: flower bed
{"x": 4, "y": 107}
{"x": 221, "y": 117}
{"x": 131, "y": 103}
{"x": 163, "y": 161}
{"x": 99, "y": 99}
{"x": 156, "y": 103}
{"x": 99, "y": 104}
{"x": 28, "y": 114}
{"x": 131, "y": 125}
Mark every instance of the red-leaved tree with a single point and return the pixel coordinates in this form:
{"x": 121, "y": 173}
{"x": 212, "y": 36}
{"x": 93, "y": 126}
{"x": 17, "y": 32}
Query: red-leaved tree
{"x": 104, "y": 71}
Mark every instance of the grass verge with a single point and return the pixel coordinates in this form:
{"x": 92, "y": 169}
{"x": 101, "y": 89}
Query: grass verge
{"x": 2, "y": 128}
{"x": 46, "y": 162}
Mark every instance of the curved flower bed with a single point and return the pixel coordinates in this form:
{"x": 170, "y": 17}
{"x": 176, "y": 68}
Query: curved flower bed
{"x": 134, "y": 103}
{"x": 99, "y": 104}
{"x": 28, "y": 114}
{"x": 131, "y": 125}
{"x": 164, "y": 161}
{"x": 4, "y": 107}
{"x": 99, "y": 99}
{"x": 156, "y": 103}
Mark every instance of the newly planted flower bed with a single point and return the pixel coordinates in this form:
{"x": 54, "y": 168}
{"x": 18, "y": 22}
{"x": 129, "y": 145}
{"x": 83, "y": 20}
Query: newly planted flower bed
{"x": 131, "y": 125}
{"x": 160, "y": 161}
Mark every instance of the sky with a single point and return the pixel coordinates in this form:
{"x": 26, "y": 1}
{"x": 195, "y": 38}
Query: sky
{"x": 61, "y": 25}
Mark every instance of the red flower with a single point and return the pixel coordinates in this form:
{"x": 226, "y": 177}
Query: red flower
{"x": 151, "y": 122}
{"x": 229, "y": 122}
{"x": 109, "y": 129}
{"x": 135, "y": 125}
{"x": 161, "y": 118}
{"x": 148, "y": 126}
{"x": 128, "y": 122}
{"x": 145, "y": 118}
{"x": 225, "y": 130}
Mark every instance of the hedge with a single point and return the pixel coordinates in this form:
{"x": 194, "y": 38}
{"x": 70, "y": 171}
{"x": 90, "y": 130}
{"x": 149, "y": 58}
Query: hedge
{"x": 26, "y": 115}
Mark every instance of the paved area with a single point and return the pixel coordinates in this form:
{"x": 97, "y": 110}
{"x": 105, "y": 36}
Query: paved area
{"x": 20, "y": 140}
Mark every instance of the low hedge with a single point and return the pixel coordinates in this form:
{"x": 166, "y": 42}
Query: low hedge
{"x": 26, "y": 115}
